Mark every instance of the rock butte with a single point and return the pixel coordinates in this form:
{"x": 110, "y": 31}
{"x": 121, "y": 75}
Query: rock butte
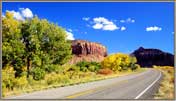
{"x": 87, "y": 51}
{"x": 150, "y": 57}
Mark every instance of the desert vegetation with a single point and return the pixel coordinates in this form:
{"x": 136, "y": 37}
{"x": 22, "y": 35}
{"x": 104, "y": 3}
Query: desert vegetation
{"x": 120, "y": 62}
{"x": 35, "y": 55}
{"x": 166, "y": 89}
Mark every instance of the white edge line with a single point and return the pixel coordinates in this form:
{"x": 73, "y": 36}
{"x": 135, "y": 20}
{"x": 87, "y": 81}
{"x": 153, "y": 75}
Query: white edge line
{"x": 148, "y": 87}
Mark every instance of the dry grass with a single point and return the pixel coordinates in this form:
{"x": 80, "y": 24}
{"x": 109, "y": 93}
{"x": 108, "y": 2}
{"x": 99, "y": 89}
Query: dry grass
{"x": 54, "y": 80}
{"x": 166, "y": 90}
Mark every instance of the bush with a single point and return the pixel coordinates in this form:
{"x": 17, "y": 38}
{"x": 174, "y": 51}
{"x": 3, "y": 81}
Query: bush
{"x": 63, "y": 79}
{"x": 91, "y": 68}
{"x": 3, "y": 89}
{"x": 119, "y": 62}
{"x": 8, "y": 78}
{"x": 88, "y": 66}
{"x": 38, "y": 73}
{"x": 138, "y": 66}
{"x": 135, "y": 66}
{"x": 82, "y": 64}
{"x": 96, "y": 66}
{"x": 74, "y": 68}
{"x": 53, "y": 68}
{"x": 105, "y": 71}
{"x": 21, "y": 81}
{"x": 84, "y": 69}
{"x": 51, "y": 78}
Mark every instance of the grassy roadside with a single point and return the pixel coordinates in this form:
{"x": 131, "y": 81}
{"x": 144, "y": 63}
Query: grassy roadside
{"x": 166, "y": 89}
{"x": 50, "y": 81}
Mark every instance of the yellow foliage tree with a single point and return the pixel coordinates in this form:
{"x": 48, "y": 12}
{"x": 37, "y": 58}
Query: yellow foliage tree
{"x": 118, "y": 62}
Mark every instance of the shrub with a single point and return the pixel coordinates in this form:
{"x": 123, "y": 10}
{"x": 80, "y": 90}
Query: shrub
{"x": 63, "y": 79}
{"x": 82, "y": 64}
{"x": 74, "y": 68}
{"x": 51, "y": 78}
{"x": 49, "y": 68}
{"x": 138, "y": 66}
{"x": 91, "y": 68}
{"x": 21, "y": 81}
{"x": 9, "y": 83}
{"x": 119, "y": 62}
{"x": 54, "y": 78}
{"x": 3, "y": 89}
{"x": 135, "y": 66}
{"x": 84, "y": 69}
{"x": 96, "y": 66}
{"x": 105, "y": 71}
{"x": 8, "y": 78}
{"x": 38, "y": 73}
{"x": 88, "y": 66}
{"x": 53, "y": 68}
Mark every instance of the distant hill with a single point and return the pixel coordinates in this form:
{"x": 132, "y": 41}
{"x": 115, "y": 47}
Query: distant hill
{"x": 87, "y": 51}
{"x": 83, "y": 50}
{"x": 149, "y": 57}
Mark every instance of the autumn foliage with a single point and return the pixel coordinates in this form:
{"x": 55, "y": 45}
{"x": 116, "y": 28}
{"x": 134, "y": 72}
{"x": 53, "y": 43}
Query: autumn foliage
{"x": 105, "y": 71}
{"x": 120, "y": 62}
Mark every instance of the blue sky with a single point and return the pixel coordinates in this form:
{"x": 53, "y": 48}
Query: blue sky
{"x": 120, "y": 26}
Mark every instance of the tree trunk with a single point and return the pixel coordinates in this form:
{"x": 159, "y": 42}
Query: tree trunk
{"x": 28, "y": 66}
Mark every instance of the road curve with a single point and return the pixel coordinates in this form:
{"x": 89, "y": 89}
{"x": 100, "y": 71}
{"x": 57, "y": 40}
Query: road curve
{"x": 135, "y": 86}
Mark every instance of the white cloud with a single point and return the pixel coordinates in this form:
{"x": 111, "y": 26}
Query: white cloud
{"x": 86, "y": 18}
{"x": 98, "y": 26}
{"x": 104, "y": 24}
{"x": 154, "y": 28}
{"x": 110, "y": 27}
{"x": 102, "y": 20}
{"x": 22, "y": 13}
{"x": 128, "y": 20}
{"x": 70, "y": 35}
{"x": 123, "y": 28}
{"x": 17, "y": 15}
{"x": 26, "y": 12}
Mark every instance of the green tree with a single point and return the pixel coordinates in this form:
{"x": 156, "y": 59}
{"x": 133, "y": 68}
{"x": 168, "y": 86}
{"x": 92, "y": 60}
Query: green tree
{"x": 12, "y": 46}
{"x": 34, "y": 43}
{"x": 45, "y": 43}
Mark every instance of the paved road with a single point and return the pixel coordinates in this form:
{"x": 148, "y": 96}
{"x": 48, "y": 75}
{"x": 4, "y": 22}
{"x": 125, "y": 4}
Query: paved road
{"x": 135, "y": 86}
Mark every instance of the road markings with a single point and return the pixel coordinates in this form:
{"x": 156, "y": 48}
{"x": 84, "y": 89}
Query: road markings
{"x": 94, "y": 90}
{"x": 79, "y": 94}
{"x": 148, "y": 87}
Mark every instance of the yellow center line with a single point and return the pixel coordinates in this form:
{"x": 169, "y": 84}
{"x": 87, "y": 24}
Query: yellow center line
{"x": 95, "y": 89}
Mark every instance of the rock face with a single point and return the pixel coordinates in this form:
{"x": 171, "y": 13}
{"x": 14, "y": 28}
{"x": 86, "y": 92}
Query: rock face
{"x": 87, "y": 51}
{"x": 149, "y": 57}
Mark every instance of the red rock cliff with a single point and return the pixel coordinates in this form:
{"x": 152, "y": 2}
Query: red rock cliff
{"x": 87, "y": 51}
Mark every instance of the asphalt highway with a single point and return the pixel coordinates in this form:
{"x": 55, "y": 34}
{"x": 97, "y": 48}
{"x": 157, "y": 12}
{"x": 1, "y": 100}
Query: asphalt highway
{"x": 135, "y": 86}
